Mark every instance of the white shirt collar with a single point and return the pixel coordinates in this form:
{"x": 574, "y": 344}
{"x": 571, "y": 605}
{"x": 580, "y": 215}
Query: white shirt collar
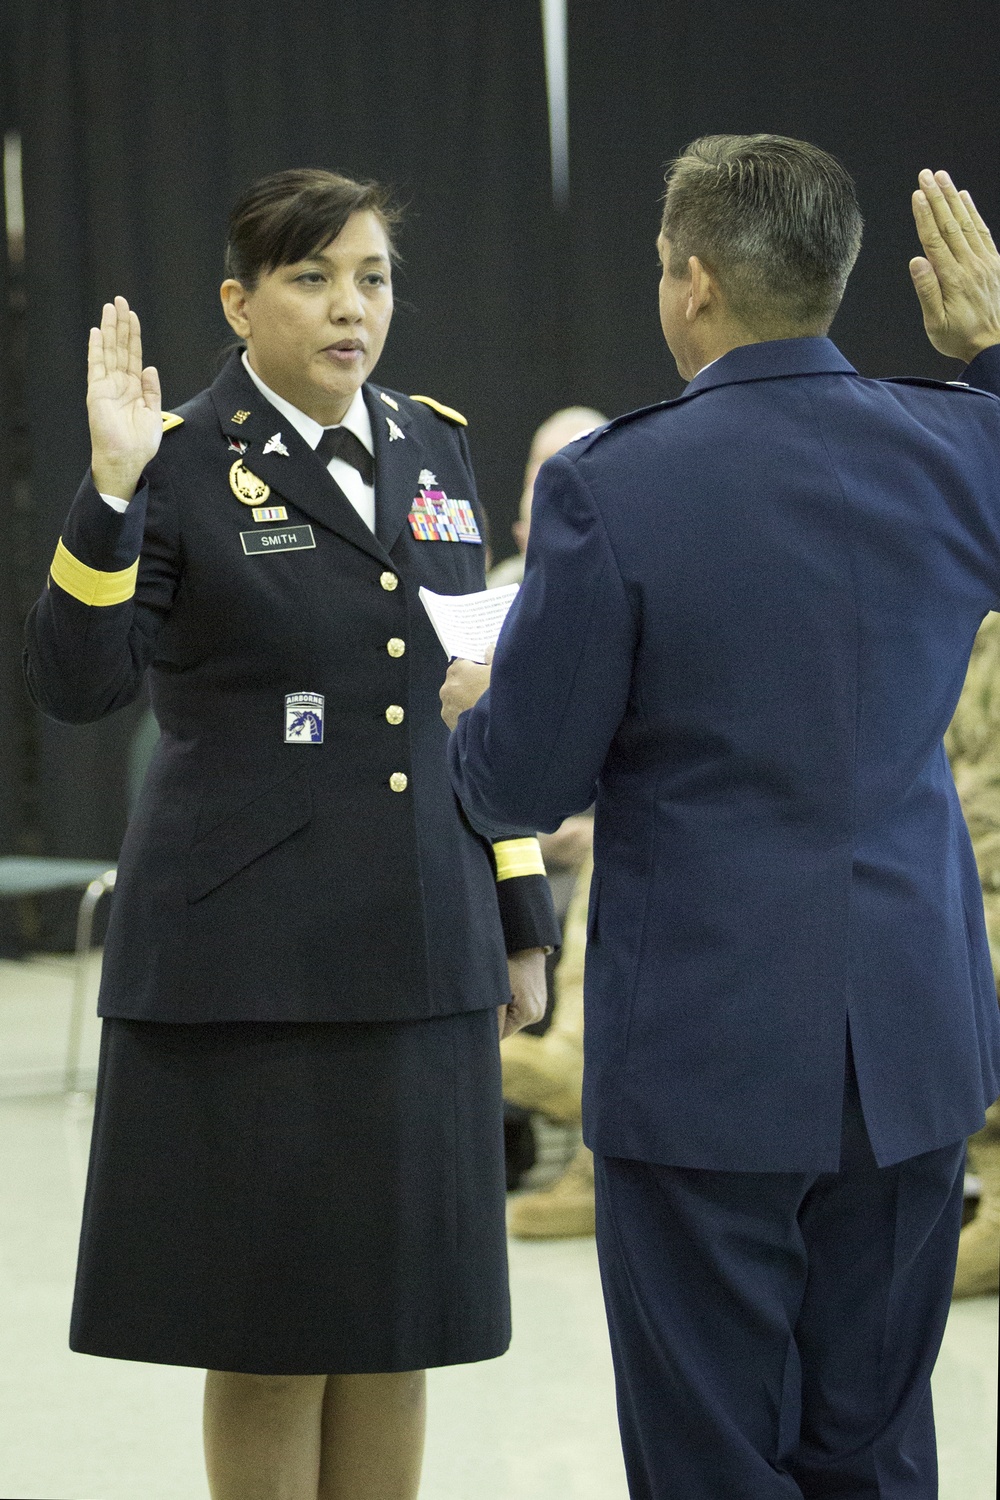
{"x": 356, "y": 417}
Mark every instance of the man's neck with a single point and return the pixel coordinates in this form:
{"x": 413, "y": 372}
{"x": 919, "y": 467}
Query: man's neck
{"x": 717, "y": 342}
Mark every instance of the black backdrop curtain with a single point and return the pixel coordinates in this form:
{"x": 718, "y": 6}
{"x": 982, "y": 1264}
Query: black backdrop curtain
{"x": 10, "y": 697}
{"x": 142, "y": 121}
{"x": 887, "y": 87}
{"x": 18, "y": 760}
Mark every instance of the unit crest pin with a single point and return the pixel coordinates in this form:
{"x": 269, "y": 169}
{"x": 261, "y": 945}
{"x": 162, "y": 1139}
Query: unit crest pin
{"x": 246, "y": 486}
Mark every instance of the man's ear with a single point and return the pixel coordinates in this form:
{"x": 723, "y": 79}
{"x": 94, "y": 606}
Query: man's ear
{"x": 703, "y": 291}
{"x": 234, "y": 305}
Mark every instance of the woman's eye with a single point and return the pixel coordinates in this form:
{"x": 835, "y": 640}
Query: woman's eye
{"x": 376, "y": 278}
{"x": 310, "y": 278}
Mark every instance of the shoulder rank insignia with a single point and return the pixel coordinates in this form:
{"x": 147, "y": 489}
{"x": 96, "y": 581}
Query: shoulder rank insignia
{"x": 246, "y": 486}
{"x": 448, "y": 412}
{"x": 171, "y": 419}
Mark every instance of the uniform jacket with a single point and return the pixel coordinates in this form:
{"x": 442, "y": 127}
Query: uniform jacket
{"x": 744, "y": 626}
{"x": 305, "y": 860}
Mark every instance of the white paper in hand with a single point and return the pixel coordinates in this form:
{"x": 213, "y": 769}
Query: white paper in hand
{"x": 466, "y": 624}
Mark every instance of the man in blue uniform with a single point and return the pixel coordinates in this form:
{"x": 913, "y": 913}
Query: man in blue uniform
{"x": 744, "y": 626}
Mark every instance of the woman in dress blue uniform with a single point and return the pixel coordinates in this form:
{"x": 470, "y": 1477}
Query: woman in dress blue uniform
{"x": 297, "y": 1171}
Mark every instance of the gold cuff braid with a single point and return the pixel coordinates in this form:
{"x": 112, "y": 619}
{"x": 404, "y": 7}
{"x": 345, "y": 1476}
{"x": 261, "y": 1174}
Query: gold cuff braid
{"x": 516, "y": 857}
{"x": 89, "y": 585}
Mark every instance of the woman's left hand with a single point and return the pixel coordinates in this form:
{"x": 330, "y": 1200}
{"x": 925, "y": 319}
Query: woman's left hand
{"x": 527, "y": 991}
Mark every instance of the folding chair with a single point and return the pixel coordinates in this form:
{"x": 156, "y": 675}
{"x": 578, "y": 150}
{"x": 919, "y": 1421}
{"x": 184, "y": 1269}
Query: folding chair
{"x": 28, "y": 875}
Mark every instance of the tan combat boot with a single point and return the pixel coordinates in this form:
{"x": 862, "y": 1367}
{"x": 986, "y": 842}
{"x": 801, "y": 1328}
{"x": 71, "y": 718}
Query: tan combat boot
{"x": 978, "y": 1271}
{"x": 563, "y": 1210}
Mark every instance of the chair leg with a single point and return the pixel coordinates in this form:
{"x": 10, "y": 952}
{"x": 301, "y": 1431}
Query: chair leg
{"x": 84, "y": 932}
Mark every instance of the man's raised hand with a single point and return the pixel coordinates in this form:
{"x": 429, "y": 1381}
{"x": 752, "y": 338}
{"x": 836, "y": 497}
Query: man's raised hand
{"x": 957, "y": 279}
{"x": 123, "y": 402}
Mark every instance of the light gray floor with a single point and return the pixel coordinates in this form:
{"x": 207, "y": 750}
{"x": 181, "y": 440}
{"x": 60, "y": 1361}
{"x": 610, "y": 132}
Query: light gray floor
{"x": 537, "y": 1423}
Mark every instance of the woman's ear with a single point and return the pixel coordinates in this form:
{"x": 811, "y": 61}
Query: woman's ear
{"x": 234, "y": 305}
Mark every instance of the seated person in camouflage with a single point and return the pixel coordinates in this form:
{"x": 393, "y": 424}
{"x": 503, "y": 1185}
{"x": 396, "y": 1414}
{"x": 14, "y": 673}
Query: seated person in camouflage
{"x": 973, "y": 745}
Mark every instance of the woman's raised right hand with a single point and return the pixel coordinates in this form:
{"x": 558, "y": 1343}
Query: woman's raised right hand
{"x": 123, "y": 402}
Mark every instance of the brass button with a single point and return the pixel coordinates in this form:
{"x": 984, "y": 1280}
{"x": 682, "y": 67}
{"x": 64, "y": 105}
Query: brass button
{"x": 389, "y": 581}
{"x": 399, "y": 781}
{"x": 395, "y": 646}
{"x": 394, "y": 714}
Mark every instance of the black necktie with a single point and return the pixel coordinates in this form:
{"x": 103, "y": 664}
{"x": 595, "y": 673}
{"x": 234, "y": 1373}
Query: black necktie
{"x": 340, "y": 442}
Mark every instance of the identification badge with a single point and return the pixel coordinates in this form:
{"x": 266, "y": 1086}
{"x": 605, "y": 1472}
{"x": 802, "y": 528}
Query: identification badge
{"x": 304, "y": 718}
{"x": 435, "y": 518}
{"x": 277, "y": 539}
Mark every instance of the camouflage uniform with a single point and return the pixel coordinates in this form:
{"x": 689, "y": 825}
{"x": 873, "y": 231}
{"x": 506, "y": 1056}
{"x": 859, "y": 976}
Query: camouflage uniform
{"x": 973, "y": 745}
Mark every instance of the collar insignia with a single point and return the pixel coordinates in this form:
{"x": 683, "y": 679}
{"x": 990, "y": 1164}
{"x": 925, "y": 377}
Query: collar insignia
{"x": 394, "y": 431}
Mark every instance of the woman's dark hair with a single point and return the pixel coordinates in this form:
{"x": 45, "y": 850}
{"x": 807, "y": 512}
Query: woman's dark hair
{"x": 775, "y": 218}
{"x": 291, "y": 215}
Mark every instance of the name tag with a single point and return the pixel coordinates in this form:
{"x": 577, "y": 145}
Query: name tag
{"x": 277, "y": 539}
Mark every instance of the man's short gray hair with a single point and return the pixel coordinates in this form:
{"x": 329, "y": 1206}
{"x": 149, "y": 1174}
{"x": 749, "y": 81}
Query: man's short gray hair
{"x": 775, "y": 219}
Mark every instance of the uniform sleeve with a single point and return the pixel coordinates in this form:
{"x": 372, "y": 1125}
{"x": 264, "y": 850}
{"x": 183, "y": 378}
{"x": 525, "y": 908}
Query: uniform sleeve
{"x": 532, "y": 748}
{"x": 984, "y": 371}
{"x": 524, "y": 895}
{"x": 91, "y": 635}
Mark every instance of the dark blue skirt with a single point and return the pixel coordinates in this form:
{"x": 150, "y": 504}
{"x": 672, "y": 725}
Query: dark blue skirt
{"x": 290, "y": 1199}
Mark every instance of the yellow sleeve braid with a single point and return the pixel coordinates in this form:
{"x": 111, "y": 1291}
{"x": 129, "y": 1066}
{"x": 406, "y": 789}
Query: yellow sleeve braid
{"x": 518, "y": 857}
{"x": 90, "y": 585}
